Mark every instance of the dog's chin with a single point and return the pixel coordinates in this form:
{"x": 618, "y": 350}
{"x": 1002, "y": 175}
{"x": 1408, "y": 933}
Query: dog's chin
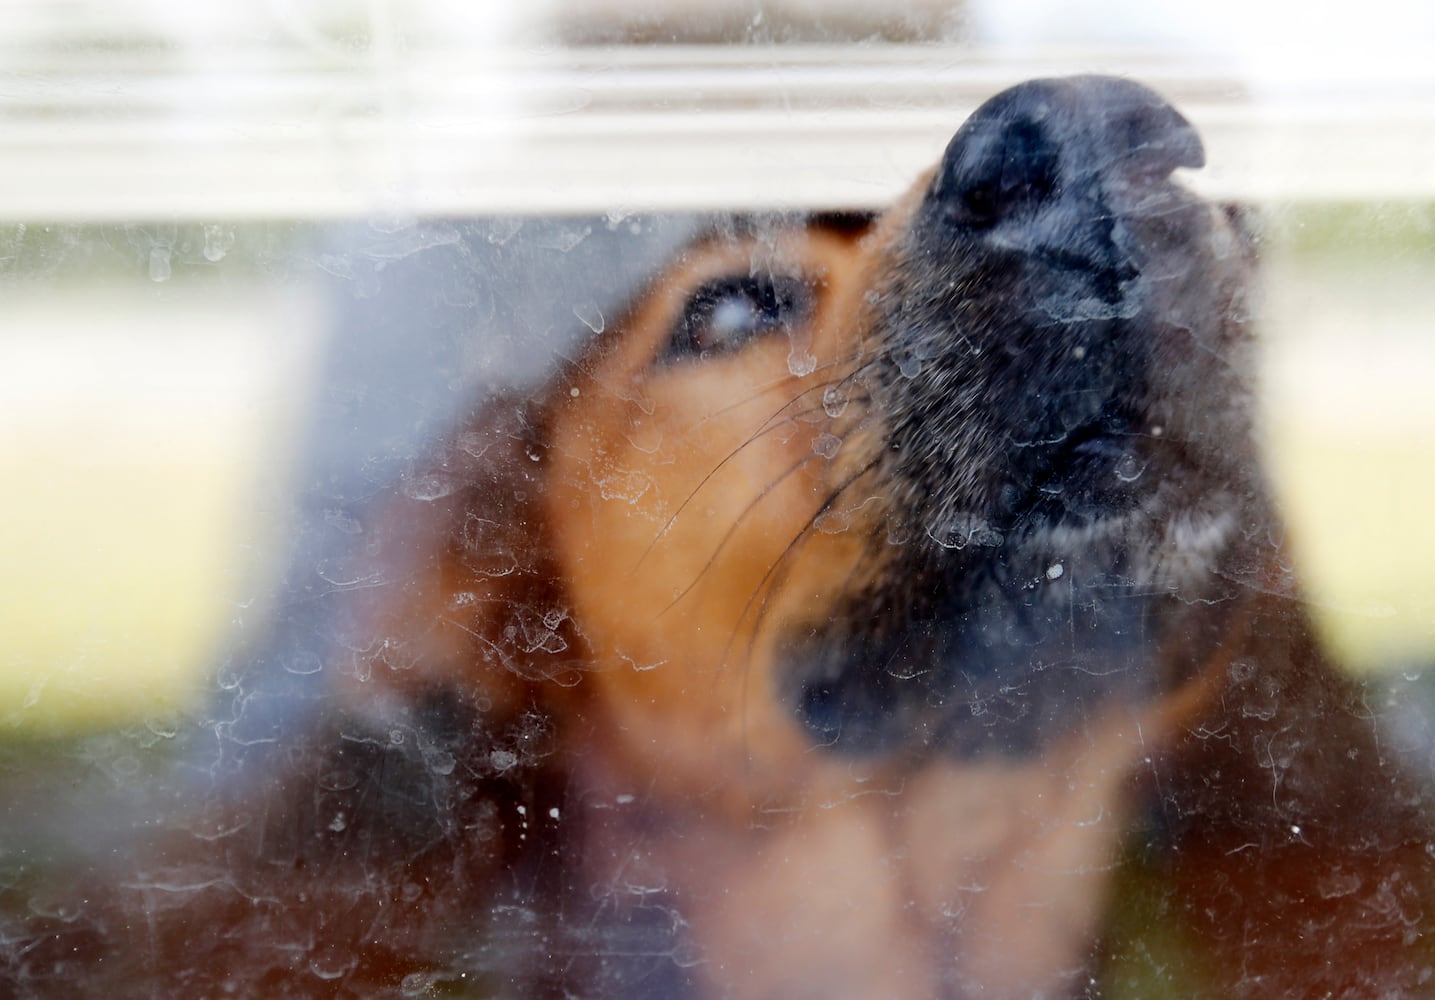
{"x": 999, "y": 635}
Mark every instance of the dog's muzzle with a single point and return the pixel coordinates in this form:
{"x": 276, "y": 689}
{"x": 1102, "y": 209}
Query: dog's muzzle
{"x": 1055, "y": 372}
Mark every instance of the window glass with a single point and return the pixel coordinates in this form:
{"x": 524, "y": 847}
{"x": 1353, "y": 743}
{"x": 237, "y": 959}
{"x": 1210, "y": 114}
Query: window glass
{"x": 627, "y": 498}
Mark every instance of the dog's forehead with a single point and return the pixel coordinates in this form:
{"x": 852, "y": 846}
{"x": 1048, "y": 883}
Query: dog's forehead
{"x": 765, "y": 226}
{"x": 769, "y": 238}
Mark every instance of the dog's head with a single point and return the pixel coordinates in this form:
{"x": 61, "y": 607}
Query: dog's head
{"x": 954, "y": 480}
{"x": 810, "y": 625}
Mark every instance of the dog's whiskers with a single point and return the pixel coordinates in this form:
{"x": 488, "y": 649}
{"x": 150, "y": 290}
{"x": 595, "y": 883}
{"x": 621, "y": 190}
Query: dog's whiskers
{"x": 767, "y": 387}
{"x": 771, "y": 578}
{"x": 767, "y": 427}
{"x": 804, "y": 533}
{"x": 737, "y": 523}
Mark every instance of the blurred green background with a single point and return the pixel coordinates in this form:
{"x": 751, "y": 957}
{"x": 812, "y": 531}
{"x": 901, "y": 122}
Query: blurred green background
{"x": 146, "y": 426}
{"x": 1349, "y": 332}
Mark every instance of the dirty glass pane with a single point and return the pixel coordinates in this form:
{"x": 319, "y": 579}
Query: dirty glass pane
{"x": 728, "y": 499}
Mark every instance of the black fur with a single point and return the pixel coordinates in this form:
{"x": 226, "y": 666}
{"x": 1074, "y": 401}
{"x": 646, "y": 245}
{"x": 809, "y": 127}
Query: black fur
{"x": 1054, "y": 364}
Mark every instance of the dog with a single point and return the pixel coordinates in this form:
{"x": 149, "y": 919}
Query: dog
{"x": 825, "y": 628}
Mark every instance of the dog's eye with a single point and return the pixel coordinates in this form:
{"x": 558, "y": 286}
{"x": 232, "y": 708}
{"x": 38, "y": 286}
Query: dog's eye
{"x": 726, "y": 313}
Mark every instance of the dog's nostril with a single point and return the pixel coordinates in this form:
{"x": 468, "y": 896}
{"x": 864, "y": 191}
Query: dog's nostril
{"x": 1151, "y": 136}
{"x": 999, "y": 167}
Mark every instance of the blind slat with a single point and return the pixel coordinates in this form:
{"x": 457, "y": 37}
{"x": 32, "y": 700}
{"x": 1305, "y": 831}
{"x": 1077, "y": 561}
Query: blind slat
{"x": 453, "y": 132}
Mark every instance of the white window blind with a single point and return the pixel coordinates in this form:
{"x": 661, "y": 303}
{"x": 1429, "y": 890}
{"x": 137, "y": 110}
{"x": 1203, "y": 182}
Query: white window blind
{"x": 142, "y": 109}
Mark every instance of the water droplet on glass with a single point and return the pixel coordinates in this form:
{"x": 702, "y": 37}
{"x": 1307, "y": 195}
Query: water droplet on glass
{"x": 503, "y": 760}
{"x": 331, "y": 967}
{"x": 909, "y": 365}
{"x": 948, "y": 538}
{"x": 303, "y": 663}
{"x": 626, "y": 486}
{"x": 430, "y": 486}
{"x": 591, "y": 316}
{"x": 218, "y": 241}
{"x": 801, "y": 363}
{"x": 1129, "y": 468}
{"x": 826, "y": 445}
{"x": 834, "y": 400}
{"x": 1055, "y": 571}
{"x": 159, "y": 264}
{"x": 962, "y": 530}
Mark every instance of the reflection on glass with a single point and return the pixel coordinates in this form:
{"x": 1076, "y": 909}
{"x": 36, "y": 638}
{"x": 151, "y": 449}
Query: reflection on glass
{"x": 561, "y": 501}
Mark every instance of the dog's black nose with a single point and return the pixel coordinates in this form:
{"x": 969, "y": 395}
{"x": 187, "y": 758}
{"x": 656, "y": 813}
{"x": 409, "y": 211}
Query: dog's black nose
{"x": 1041, "y": 139}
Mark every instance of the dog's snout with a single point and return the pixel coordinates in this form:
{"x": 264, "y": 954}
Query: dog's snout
{"x": 1047, "y": 138}
{"x": 1058, "y": 295}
